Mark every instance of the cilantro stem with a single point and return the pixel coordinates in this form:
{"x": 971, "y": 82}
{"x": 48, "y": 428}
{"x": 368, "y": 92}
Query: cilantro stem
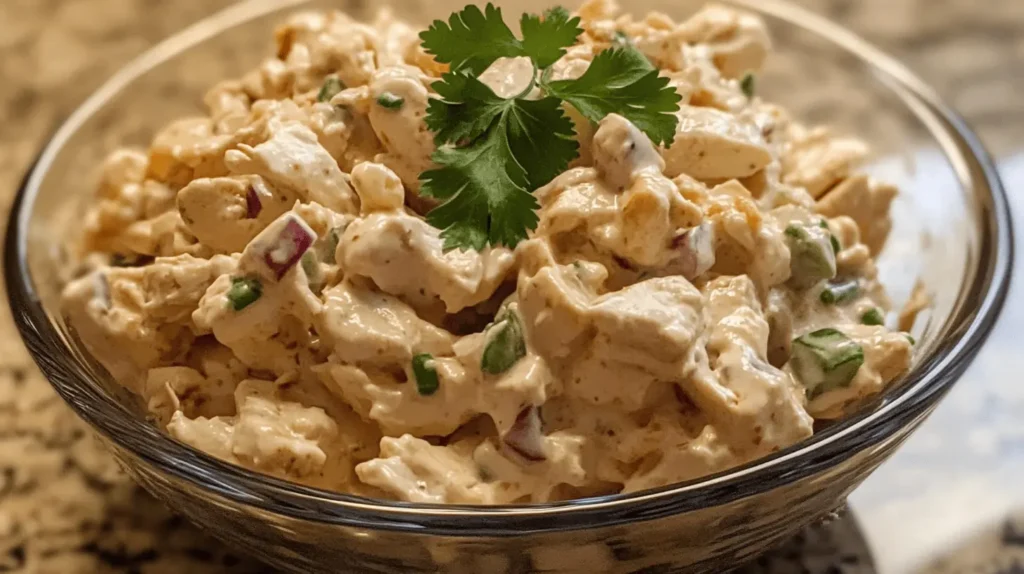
{"x": 529, "y": 87}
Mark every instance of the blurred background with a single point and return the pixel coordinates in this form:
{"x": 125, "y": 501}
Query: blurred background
{"x": 944, "y": 504}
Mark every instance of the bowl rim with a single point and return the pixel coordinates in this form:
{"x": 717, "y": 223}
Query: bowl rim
{"x": 976, "y": 312}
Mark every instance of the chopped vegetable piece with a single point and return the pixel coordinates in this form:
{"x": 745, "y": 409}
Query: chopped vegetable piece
{"x": 836, "y": 247}
{"x": 748, "y": 85}
{"x": 311, "y": 267}
{"x": 390, "y": 101}
{"x": 329, "y": 245}
{"x": 332, "y": 85}
{"x": 811, "y": 258}
{"x": 426, "y": 374}
{"x": 505, "y": 345}
{"x": 244, "y": 291}
{"x": 253, "y": 205}
{"x": 873, "y": 316}
{"x": 696, "y": 248}
{"x": 287, "y": 248}
{"x": 840, "y": 292}
{"x": 910, "y": 338}
{"x": 825, "y": 360}
{"x": 526, "y": 436}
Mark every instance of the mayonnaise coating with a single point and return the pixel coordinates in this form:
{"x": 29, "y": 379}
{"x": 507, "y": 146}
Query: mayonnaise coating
{"x": 278, "y": 300}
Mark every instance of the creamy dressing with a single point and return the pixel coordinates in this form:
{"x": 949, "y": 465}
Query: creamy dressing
{"x": 288, "y": 308}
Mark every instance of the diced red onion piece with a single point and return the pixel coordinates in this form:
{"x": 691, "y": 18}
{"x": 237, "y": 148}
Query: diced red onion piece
{"x": 287, "y": 248}
{"x": 696, "y": 247}
{"x": 525, "y": 437}
{"x": 624, "y": 263}
{"x": 253, "y": 205}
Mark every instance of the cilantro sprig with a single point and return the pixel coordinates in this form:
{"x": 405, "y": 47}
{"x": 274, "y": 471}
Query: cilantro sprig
{"x": 492, "y": 152}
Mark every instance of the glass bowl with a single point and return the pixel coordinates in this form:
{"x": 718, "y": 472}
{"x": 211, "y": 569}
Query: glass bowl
{"x": 952, "y": 230}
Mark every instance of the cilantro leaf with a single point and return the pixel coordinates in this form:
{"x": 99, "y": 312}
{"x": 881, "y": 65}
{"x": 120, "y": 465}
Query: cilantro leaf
{"x": 545, "y": 40}
{"x": 542, "y": 139}
{"x": 492, "y": 152}
{"x": 466, "y": 109}
{"x": 621, "y": 81}
{"x": 471, "y": 40}
{"x": 486, "y": 194}
{"x": 485, "y": 183}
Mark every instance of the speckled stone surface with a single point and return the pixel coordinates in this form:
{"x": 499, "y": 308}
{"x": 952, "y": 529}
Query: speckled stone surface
{"x": 65, "y": 508}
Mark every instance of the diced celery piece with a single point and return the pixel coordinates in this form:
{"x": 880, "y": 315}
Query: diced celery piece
{"x": 332, "y": 85}
{"x": 505, "y": 344}
{"x": 244, "y": 292}
{"x": 423, "y": 369}
{"x": 840, "y": 292}
{"x": 825, "y": 360}
{"x": 873, "y": 316}
{"x": 811, "y": 256}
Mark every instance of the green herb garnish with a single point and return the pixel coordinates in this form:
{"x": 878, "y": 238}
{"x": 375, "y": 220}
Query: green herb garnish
{"x": 505, "y": 344}
{"x": 390, "y": 101}
{"x": 244, "y": 292}
{"x": 825, "y": 360}
{"x": 332, "y": 85}
{"x": 748, "y": 85}
{"x": 492, "y": 152}
{"x": 425, "y": 373}
{"x": 873, "y": 316}
{"x": 621, "y": 81}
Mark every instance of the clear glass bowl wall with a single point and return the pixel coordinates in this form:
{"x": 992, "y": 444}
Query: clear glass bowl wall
{"x": 952, "y": 231}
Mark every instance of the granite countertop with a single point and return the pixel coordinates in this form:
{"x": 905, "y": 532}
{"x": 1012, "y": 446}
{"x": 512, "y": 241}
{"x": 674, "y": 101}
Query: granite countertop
{"x": 65, "y": 507}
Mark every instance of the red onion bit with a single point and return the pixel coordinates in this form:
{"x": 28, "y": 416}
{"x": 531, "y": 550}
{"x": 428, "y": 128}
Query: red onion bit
{"x": 286, "y": 249}
{"x": 624, "y": 263}
{"x": 696, "y": 247}
{"x": 525, "y": 437}
{"x": 253, "y": 205}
